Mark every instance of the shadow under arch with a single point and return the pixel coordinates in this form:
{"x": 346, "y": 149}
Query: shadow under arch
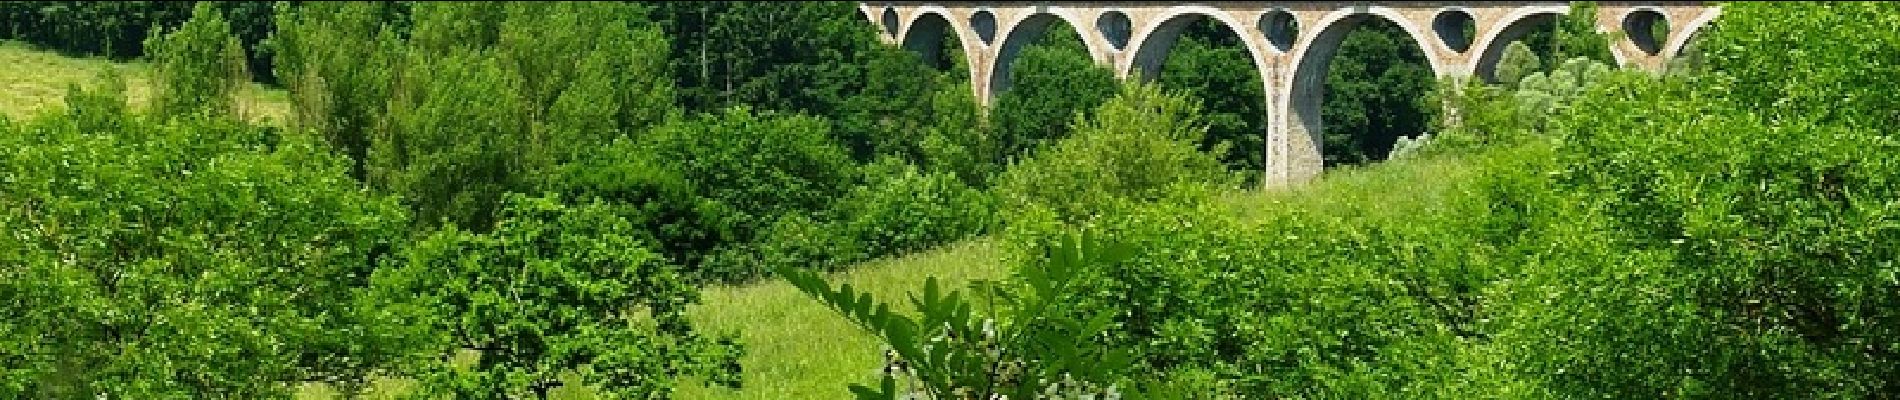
{"x": 1491, "y": 48}
{"x": 928, "y": 34}
{"x": 1306, "y": 90}
{"x": 1153, "y": 43}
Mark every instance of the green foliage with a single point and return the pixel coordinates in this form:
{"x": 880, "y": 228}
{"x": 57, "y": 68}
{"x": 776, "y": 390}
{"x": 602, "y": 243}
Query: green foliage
{"x": 200, "y": 66}
{"x": 1517, "y": 62}
{"x": 898, "y": 210}
{"x": 1576, "y": 36}
{"x": 181, "y": 258}
{"x": 1054, "y": 81}
{"x": 553, "y": 289}
{"x": 780, "y": 56}
{"x": 901, "y": 210}
{"x": 479, "y": 100}
{"x": 1544, "y": 94}
{"x": 906, "y": 108}
{"x": 957, "y": 142}
{"x": 1830, "y": 79}
{"x": 454, "y": 142}
{"x": 337, "y": 60}
{"x": 1375, "y": 92}
{"x": 1139, "y": 146}
{"x": 1026, "y": 348}
{"x": 750, "y": 168}
{"x": 649, "y": 192}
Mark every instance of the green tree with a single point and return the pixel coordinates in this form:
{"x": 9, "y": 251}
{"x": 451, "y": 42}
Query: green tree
{"x": 200, "y": 66}
{"x": 478, "y": 100}
{"x": 804, "y": 57}
{"x": 747, "y": 168}
{"x": 1576, "y": 36}
{"x": 337, "y": 60}
{"x": 454, "y": 140}
{"x": 1517, "y": 62}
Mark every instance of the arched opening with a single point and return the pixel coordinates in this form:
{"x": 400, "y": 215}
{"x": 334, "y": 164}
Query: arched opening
{"x": 1455, "y": 29}
{"x": 1534, "y": 35}
{"x": 1367, "y": 78}
{"x": 1647, "y": 29}
{"x": 1115, "y": 26}
{"x": 1043, "y": 77}
{"x": 984, "y": 24}
{"x": 1207, "y": 59}
{"x": 1542, "y": 39}
{"x": 1280, "y": 28}
{"x": 933, "y": 39}
{"x": 1039, "y": 30}
{"x": 890, "y": 21}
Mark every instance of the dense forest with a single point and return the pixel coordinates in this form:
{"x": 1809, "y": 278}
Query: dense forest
{"x": 521, "y": 200}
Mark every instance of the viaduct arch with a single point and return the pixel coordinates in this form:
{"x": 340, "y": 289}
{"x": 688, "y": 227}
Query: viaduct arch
{"x": 1291, "y": 43}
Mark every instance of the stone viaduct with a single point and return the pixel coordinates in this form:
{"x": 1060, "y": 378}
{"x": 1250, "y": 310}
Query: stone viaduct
{"x": 1291, "y": 43}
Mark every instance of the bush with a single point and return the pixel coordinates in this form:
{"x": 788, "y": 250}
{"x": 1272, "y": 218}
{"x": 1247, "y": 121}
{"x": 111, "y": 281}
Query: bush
{"x": 901, "y": 210}
{"x": 905, "y": 210}
{"x": 1138, "y": 147}
{"x": 651, "y": 193}
{"x": 554, "y": 289}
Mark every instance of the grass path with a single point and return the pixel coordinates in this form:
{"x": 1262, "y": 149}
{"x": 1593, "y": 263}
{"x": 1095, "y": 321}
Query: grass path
{"x": 798, "y": 349}
{"x": 34, "y": 81}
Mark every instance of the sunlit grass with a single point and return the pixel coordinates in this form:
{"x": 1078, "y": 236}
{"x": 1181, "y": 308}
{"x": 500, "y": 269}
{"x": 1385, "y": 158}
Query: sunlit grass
{"x": 33, "y": 81}
{"x": 798, "y": 349}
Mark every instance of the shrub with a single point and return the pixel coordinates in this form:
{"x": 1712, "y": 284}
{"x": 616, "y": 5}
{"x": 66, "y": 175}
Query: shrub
{"x": 554, "y": 289}
{"x": 903, "y": 210}
{"x": 651, "y": 193}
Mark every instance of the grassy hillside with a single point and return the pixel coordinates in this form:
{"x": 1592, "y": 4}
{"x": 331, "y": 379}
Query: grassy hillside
{"x": 33, "y": 80}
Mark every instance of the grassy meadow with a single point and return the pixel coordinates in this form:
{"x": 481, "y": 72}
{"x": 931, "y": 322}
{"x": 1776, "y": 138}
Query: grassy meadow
{"x": 34, "y": 81}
